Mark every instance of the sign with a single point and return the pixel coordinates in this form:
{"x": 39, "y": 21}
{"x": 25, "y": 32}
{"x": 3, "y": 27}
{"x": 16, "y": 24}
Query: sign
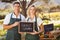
{"x": 48, "y": 28}
{"x": 25, "y": 27}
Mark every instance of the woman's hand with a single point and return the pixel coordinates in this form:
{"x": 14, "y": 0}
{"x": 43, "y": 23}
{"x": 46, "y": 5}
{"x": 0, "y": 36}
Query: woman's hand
{"x": 21, "y": 32}
{"x": 33, "y": 33}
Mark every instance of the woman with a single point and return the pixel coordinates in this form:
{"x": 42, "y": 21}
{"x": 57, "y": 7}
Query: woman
{"x": 38, "y": 28}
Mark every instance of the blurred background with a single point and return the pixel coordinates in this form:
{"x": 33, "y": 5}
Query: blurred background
{"x": 47, "y": 10}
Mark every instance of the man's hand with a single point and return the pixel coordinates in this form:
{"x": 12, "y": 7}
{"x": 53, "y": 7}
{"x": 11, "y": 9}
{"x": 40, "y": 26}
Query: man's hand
{"x": 16, "y": 24}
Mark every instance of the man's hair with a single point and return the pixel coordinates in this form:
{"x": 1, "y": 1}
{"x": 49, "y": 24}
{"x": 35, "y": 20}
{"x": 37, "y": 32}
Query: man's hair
{"x": 16, "y": 3}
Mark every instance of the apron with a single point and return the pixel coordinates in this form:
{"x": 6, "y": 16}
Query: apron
{"x": 58, "y": 38}
{"x": 33, "y": 37}
{"x": 12, "y": 34}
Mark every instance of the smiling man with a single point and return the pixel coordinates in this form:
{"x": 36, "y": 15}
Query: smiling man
{"x": 11, "y": 22}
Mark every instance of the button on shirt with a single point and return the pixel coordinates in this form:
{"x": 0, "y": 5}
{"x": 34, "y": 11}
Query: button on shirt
{"x": 7, "y": 18}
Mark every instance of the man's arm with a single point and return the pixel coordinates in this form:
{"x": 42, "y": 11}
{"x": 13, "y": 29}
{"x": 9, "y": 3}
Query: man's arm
{"x": 41, "y": 27}
{"x": 10, "y": 26}
{"x": 6, "y": 22}
{"x": 7, "y": 26}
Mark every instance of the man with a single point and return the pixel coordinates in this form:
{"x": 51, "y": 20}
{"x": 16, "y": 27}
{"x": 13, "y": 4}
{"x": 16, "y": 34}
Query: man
{"x": 11, "y": 22}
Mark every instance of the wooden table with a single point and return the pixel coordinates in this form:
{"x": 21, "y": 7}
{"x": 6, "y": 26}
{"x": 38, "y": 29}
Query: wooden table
{"x": 56, "y": 33}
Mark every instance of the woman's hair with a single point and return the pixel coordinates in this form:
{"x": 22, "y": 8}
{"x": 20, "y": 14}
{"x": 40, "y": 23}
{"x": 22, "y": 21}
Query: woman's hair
{"x": 28, "y": 10}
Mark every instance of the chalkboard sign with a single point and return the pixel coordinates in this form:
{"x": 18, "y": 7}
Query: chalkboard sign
{"x": 48, "y": 28}
{"x": 25, "y": 27}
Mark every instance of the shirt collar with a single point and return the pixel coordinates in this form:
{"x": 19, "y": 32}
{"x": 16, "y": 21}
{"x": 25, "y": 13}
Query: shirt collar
{"x": 14, "y": 16}
{"x": 32, "y": 20}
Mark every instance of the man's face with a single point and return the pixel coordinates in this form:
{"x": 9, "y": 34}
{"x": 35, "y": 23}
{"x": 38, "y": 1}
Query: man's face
{"x": 16, "y": 7}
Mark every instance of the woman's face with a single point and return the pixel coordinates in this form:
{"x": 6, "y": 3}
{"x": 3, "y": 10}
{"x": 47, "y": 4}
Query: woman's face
{"x": 32, "y": 10}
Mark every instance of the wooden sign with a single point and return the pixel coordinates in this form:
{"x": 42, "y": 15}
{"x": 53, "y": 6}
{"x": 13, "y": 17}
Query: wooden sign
{"x": 25, "y": 27}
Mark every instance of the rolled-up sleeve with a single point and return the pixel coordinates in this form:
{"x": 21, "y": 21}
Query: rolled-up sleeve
{"x": 39, "y": 21}
{"x": 7, "y": 19}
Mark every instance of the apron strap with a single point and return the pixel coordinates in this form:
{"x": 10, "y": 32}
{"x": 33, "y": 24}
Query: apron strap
{"x": 11, "y": 15}
{"x": 15, "y": 18}
{"x": 28, "y": 19}
{"x": 20, "y": 18}
{"x": 35, "y": 27}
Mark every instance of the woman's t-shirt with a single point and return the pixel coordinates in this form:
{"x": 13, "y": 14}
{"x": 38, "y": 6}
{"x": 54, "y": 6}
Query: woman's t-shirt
{"x": 39, "y": 21}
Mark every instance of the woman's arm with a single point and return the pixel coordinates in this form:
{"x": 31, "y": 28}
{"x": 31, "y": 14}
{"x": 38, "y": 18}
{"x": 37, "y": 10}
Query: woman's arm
{"x": 41, "y": 27}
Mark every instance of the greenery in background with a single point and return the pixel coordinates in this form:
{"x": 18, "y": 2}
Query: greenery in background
{"x": 2, "y": 34}
{"x": 57, "y": 26}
